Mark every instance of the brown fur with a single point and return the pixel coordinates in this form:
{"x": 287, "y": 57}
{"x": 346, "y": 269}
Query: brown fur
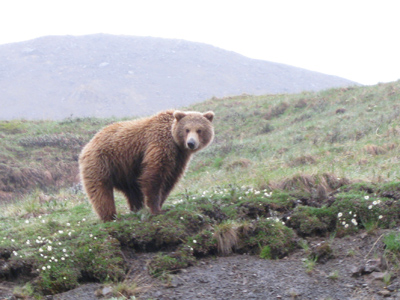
{"x": 142, "y": 158}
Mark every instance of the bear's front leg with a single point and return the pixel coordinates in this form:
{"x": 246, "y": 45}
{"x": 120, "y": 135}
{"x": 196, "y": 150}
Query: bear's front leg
{"x": 153, "y": 199}
{"x": 151, "y": 188}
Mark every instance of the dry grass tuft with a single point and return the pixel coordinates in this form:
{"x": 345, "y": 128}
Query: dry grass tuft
{"x": 301, "y": 103}
{"x": 276, "y": 110}
{"x": 239, "y": 163}
{"x": 302, "y": 160}
{"x": 374, "y": 150}
{"x": 340, "y": 111}
{"x": 227, "y": 238}
{"x": 323, "y": 184}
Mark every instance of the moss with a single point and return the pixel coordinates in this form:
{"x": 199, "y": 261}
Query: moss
{"x": 266, "y": 252}
{"x": 89, "y": 254}
{"x": 266, "y": 232}
{"x": 163, "y": 264}
{"x": 310, "y": 221}
{"x": 203, "y": 244}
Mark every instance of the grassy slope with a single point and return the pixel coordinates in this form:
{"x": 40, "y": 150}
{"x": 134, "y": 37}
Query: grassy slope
{"x": 260, "y": 142}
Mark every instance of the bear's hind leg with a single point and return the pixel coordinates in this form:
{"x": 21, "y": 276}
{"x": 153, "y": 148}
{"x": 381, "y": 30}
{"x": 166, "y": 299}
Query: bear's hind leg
{"x": 102, "y": 199}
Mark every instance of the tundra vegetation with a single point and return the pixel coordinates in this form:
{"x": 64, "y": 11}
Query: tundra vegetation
{"x": 282, "y": 169}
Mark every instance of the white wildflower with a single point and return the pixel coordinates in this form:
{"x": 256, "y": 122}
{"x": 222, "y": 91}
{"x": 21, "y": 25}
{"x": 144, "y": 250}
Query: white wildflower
{"x": 339, "y": 215}
{"x": 366, "y": 197}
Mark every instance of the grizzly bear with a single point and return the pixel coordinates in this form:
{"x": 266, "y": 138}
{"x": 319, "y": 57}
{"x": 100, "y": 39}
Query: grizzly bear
{"x": 143, "y": 159}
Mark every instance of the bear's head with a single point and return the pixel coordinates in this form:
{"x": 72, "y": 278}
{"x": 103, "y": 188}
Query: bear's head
{"x": 193, "y": 130}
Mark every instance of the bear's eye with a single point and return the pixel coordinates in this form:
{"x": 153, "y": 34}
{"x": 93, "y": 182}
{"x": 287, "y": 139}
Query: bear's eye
{"x": 187, "y": 130}
{"x": 198, "y": 131}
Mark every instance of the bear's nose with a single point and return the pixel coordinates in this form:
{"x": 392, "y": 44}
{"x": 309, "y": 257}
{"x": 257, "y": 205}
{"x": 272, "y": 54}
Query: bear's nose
{"x": 191, "y": 143}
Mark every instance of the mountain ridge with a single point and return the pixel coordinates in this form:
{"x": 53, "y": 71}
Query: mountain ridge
{"x": 105, "y": 75}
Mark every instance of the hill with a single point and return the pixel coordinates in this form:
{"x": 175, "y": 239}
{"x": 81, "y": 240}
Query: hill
{"x": 100, "y": 75}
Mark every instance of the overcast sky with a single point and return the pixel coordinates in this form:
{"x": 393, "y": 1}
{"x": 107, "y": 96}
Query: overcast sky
{"x": 354, "y": 39}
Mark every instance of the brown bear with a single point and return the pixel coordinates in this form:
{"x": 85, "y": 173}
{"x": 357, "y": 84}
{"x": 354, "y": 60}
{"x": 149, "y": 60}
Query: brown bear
{"x": 142, "y": 158}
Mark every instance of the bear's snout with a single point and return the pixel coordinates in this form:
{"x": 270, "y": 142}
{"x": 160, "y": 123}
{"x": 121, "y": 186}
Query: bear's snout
{"x": 191, "y": 143}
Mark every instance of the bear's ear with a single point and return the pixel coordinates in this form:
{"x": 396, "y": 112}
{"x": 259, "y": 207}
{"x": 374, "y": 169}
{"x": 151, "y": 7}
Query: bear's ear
{"x": 209, "y": 115}
{"x": 179, "y": 115}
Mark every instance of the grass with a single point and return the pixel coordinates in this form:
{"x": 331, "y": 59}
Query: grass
{"x": 282, "y": 167}
{"x": 309, "y": 264}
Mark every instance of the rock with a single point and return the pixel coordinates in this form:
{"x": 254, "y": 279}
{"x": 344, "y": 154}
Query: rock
{"x": 384, "y": 293}
{"x": 175, "y": 282}
{"x": 106, "y": 291}
{"x": 377, "y": 276}
{"x": 372, "y": 265}
{"x": 103, "y": 291}
{"x": 158, "y": 294}
{"x": 394, "y": 286}
{"x": 203, "y": 280}
{"x": 357, "y": 271}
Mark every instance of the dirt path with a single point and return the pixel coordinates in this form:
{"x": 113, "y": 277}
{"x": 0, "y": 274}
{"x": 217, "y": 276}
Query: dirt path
{"x": 249, "y": 277}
